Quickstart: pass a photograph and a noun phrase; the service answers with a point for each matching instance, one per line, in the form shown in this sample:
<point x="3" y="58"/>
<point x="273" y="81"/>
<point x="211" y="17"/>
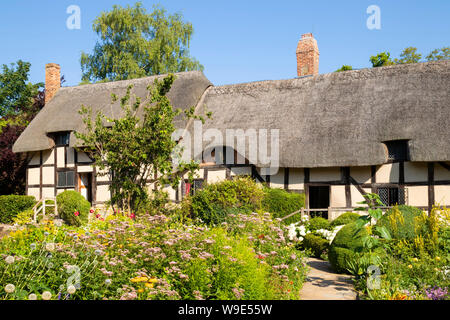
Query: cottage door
<point x="84" y="185"/>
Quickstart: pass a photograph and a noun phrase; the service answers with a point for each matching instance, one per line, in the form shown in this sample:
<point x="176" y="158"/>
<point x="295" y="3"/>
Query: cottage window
<point x="397" y="150"/>
<point x="392" y="196"/>
<point x="62" y="139"/>
<point x="191" y="188"/>
<point x="66" y="179"/>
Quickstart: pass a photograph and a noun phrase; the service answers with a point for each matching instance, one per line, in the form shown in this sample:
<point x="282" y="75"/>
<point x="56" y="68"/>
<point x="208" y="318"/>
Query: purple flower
<point x="437" y="293"/>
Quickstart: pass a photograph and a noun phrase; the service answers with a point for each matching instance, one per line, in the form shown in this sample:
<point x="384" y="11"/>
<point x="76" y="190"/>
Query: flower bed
<point x="152" y="257"/>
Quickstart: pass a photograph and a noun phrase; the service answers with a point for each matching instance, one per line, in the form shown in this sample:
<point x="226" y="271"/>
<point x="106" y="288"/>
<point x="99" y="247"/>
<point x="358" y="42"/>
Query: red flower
<point x="261" y="236"/>
<point x="76" y="214"/>
<point x="97" y="216"/>
<point x="132" y="216"/>
<point x="260" y="257"/>
<point x="91" y="211"/>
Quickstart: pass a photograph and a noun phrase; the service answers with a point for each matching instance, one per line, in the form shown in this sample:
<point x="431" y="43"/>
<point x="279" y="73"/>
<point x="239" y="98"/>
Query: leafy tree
<point x="135" y="44"/>
<point x="439" y="54"/>
<point x="409" y="55"/>
<point x="136" y="151"/>
<point x="381" y="60"/>
<point x="16" y="93"/>
<point x="344" y="68"/>
<point x="20" y="101"/>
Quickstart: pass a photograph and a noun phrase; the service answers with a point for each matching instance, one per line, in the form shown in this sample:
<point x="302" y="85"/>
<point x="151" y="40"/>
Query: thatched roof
<point x="341" y="119"/>
<point x="61" y="113"/>
<point x="336" y="119"/>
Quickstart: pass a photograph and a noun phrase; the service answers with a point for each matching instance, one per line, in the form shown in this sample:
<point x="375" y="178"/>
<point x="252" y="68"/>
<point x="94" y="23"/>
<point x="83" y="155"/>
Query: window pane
<point x="61" y="179"/>
<point x="70" y="178"/>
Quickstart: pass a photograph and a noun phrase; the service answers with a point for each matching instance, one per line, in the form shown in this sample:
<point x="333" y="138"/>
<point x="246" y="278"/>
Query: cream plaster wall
<point x="277" y="180"/>
<point x="33" y="192"/>
<point x="48" y="175"/>
<point x="337" y="198"/>
<point x="103" y="193"/>
<point x="417" y="196"/>
<point x="325" y="174"/>
<point x="296" y="179"/>
<point x="34" y="176"/>
<point x="35" y="159"/>
<point x="216" y="175"/>
<point x="48" y="157"/>
<point x="416" y="171"/>
<point x="388" y="173"/>
<point x="442" y="195"/>
<point x="361" y="174"/>
<point x="60" y="157"/>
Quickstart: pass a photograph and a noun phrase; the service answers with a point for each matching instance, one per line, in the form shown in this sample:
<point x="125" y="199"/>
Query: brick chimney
<point x="52" y="80"/>
<point x="307" y="56"/>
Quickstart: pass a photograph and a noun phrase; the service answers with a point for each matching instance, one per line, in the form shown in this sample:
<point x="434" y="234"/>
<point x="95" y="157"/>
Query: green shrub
<point x="344" y="246"/>
<point x="70" y="202"/>
<point x="344" y="219"/>
<point x="280" y="203"/>
<point x="318" y="223"/>
<point x="316" y="244"/>
<point x="12" y="205"/>
<point x="400" y="222"/>
<point x="212" y="203"/>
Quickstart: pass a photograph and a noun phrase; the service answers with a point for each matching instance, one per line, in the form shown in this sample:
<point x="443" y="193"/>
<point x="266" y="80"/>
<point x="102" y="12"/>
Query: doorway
<point x="85" y="185"/>
<point x="319" y="198"/>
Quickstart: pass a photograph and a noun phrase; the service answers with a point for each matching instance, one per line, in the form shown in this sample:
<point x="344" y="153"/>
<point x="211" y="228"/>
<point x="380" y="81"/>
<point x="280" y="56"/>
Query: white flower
<point x="32" y="297"/>
<point x="10" y="288"/>
<point x="9" y="259"/>
<point x="108" y="282"/>
<point x="50" y="246"/>
<point x="71" y="289"/>
<point x="46" y="295"/>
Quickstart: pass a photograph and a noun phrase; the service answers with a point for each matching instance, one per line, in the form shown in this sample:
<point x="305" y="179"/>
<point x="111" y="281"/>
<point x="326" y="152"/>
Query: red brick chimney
<point x="307" y="56"/>
<point x="52" y="80"/>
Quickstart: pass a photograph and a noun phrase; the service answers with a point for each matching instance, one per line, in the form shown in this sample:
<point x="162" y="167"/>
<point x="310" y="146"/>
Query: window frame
<point x="65" y="135"/>
<point x="65" y="172"/>
<point x="397" y="150"/>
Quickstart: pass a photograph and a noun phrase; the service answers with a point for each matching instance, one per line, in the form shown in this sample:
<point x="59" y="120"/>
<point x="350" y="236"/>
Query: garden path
<point x="322" y="283"/>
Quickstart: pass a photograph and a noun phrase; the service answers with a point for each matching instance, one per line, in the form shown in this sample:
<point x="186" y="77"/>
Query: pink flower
<point x="91" y="211"/>
<point x="132" y="216"/>
<point x="76" y="214"/>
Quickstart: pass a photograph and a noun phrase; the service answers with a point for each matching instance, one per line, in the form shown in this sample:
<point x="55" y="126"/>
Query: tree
<point x="439" y="54"/>
<point x="381" y="60"/>
<point x="16" y="92"/>
<point x="344" y="68"/>
<point x="135" y="151"/>
<point x="135" y="44"/>
<point x="409" y="55"/>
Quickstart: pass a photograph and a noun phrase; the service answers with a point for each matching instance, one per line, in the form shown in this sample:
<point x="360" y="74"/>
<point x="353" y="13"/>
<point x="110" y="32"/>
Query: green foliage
<point x="280" y="203"/>
<point x="12" y="205"/>
<point x="409" y="55"/>
<point x="154" y="257"/>
<point x="214" y="202"/>
<point x="24" y="217"/>
<point x="69" y="202"/>
<point x="345" y="218"/>
<point x="348" y="241"/>
<point x="316" y="244"/>
<point x="381" y="60"/>
<point x="439" y="54"/>
<point x="16" y="93"/>
<point x="344" y="68"/>
<point x="318" y="223"/>
<point x="400" y="221"/>
<point x="134" y="149"/>
<point x="135" y="44"/>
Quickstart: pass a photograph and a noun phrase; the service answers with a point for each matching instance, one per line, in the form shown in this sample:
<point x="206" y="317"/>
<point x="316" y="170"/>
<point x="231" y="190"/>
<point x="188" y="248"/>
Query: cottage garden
<point x="228" y="241"/>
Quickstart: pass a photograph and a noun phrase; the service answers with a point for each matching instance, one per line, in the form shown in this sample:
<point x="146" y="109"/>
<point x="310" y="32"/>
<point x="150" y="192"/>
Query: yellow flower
<point x="140" y="290"/>
<point x="410" y="266"/>
<point x="134" y="279"/>
<point x="438" y="259"/>
<point x="149" y="285"/>
<point x="415" y="259"/>
<point x="153" y="280"/>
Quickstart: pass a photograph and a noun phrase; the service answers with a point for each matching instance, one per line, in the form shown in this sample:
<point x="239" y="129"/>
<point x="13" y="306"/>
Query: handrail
<point x="44" y="204"/>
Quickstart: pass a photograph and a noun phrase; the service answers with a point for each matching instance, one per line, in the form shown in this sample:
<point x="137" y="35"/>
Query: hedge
<point x="316" y="244"/>
<point x="345" y="218"/>
<point x="281" y="203"/>
<point x="12" y="205"/>
<point x="71" y="202"/>
<point x="344" y="246"/>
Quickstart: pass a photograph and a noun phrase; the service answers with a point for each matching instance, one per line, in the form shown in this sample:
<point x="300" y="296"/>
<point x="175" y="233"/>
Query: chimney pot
<point x="307" y="56"/>
<point x="52" y="80"/>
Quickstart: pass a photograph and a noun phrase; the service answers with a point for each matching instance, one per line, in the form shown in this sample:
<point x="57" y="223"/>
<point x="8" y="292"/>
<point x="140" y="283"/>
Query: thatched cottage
<point x="341" y="135"/>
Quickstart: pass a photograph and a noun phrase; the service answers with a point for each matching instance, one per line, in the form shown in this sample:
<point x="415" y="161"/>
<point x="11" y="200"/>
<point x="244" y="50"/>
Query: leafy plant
<point x="344" y="219"/>
<point x="12" y="205"/>
<point x="73" y="208"/>
<point x="280" y="203"/>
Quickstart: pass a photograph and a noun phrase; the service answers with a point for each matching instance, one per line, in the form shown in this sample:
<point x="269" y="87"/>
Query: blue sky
<point x="236" y="41"/>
